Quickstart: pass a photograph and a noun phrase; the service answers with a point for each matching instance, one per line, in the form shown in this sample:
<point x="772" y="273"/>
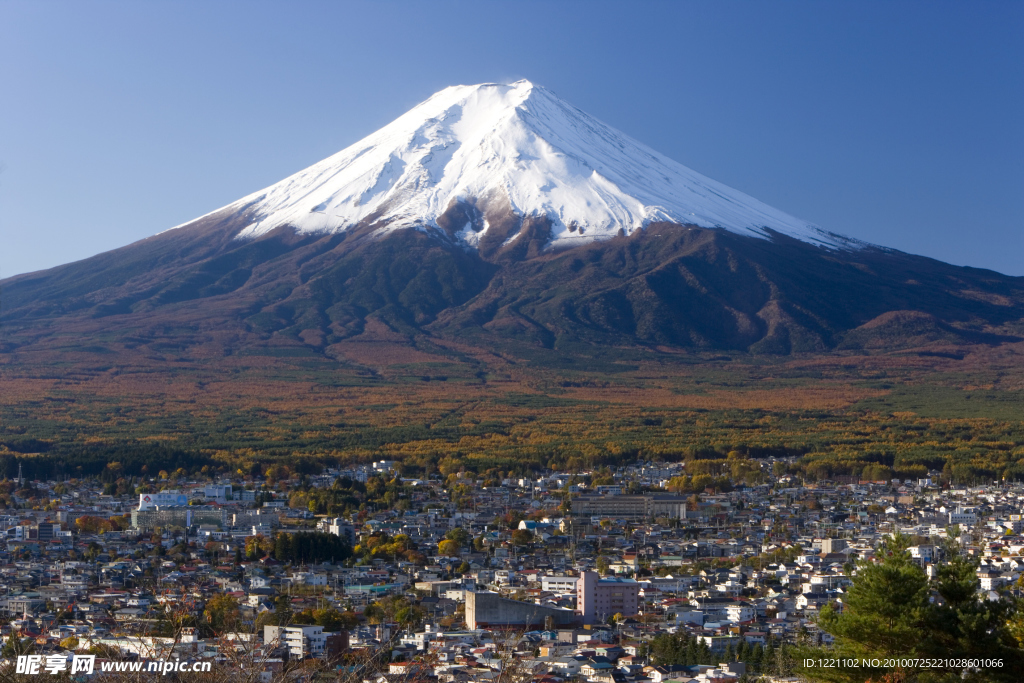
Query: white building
<point x="504" y="576"/>
<point x="564" y="666"/>
<point x="739" y="612"/>
<point x="924" y="553"/>
<point x="340" y="527"/>
<point x="301" y="641"/>
<point x="559" y="584"/>
<point x="609" y="489"/>
<point x="218" y="493"/>
<point x="963" y="517"/>
<point x="308" y="579"/>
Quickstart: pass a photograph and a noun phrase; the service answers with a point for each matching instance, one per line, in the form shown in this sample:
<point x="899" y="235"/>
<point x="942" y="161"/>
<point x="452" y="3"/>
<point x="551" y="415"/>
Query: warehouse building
<point x="490" y="610"/>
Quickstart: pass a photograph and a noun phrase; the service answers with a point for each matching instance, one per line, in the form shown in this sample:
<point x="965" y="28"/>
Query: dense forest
<point x="957" y="414"/>
<point x="816" y="445"/>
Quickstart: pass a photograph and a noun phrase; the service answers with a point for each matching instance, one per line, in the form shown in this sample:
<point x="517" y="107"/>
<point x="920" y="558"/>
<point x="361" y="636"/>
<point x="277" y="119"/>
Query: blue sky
<point x="900" y="123"/>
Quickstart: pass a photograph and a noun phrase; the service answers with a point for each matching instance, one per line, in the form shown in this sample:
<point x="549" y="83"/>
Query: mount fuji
<point x="504" y="149"/>
<point x="501" y="217"/>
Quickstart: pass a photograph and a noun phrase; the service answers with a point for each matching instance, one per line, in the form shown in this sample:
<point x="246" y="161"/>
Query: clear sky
<point x="900" y="123"/>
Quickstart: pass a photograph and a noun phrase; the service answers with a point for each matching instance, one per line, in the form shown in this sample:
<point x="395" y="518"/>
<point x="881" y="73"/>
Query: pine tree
<point x="767" y="663"/>
<point x="704" y="653"/>
<point x="885" y="608"/>
<point x="15" y="646"/>
<point x="784" y="662"/>
<point x="692" y="653"/>
<point x="282" y="610"/>
<point x="965" y="626"/>
<point x="754" y="657"/>
<point x="283" y="550"/>
<point x="887" y="614"/>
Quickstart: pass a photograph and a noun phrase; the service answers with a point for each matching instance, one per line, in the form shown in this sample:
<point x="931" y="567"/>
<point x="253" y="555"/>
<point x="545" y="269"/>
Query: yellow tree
<point x="448" y="548"/>
<point x="222" y="612"/>
<point x="258" y="545"/>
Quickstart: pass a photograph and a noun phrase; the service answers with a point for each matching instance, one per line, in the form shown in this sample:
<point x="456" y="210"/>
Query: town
<point x="610" y="576"/>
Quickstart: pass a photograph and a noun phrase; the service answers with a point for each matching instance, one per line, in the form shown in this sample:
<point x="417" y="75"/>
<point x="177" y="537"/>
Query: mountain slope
<point x="709" y="289"/>
<point x="667" y="286"/>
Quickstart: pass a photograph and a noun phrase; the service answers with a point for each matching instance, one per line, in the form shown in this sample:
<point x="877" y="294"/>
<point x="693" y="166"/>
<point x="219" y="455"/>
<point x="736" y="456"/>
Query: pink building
<point x="597" y="598"/>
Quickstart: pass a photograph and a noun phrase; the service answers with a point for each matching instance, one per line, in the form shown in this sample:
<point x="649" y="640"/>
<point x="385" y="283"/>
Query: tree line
<point x="304" y="547"/>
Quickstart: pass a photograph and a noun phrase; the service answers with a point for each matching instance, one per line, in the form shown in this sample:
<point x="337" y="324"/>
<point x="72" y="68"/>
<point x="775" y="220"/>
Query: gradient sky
<point x="899" y="123"/>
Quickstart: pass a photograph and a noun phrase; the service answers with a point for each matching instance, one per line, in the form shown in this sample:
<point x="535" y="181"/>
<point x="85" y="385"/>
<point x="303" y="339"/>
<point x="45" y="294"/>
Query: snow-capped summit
<point x="511" y="147"/>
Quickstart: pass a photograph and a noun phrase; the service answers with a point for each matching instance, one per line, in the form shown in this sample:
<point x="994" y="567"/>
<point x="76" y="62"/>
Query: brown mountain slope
<point x="666" y="287"/>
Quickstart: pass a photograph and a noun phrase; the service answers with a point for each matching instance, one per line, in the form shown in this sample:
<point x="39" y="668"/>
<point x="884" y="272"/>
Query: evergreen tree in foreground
<point x="891" y="611"/>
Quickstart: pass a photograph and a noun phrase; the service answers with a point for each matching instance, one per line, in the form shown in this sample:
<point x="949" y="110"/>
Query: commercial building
<point x="37" y="532"/>
<point x="630" y="507"/>
<point x="185" y="517"/>
<point x="148" y="501"/>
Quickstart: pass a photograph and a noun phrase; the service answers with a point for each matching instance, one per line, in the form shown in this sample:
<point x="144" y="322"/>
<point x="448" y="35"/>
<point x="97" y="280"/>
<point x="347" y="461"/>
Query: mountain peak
<point x="449" y="208"/>
<point x="501" y="150"/>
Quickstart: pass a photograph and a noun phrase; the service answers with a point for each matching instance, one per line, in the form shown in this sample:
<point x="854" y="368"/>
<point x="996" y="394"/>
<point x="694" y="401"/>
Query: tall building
<point x="599" y="598"/>
<point x="339" y="526"/>
<point x="832" y="545"/>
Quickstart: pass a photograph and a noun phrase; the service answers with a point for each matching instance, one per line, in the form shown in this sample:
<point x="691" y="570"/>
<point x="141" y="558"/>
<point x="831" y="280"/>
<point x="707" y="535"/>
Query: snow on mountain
<point x="516" y="146"/>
